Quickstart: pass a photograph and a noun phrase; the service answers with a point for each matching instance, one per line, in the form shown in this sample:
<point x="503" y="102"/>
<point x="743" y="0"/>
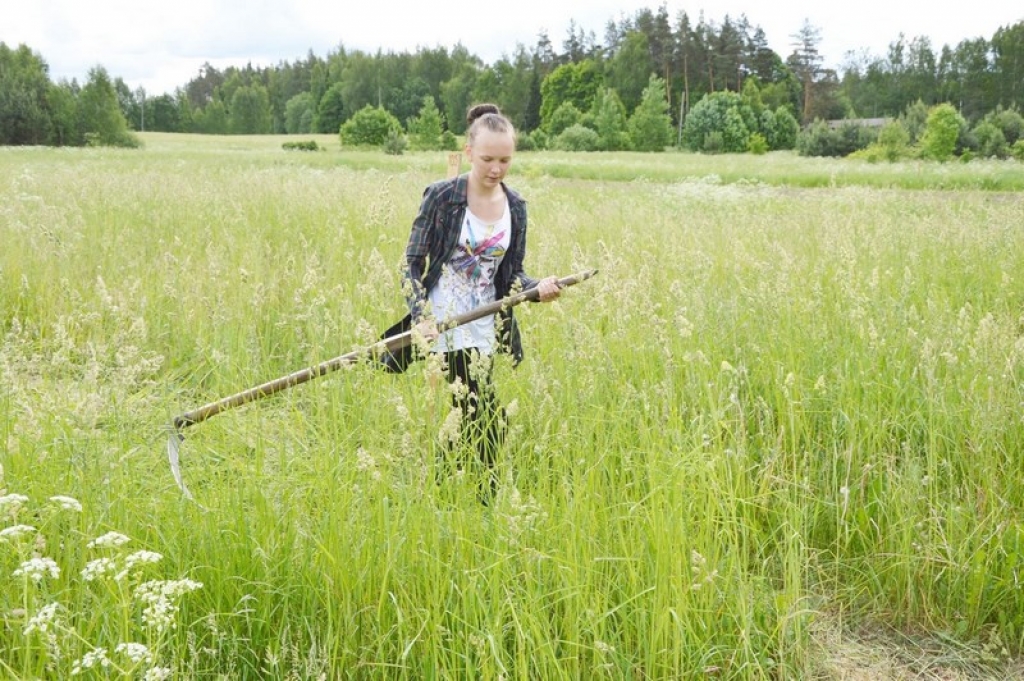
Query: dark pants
<point x="483" y="418"/>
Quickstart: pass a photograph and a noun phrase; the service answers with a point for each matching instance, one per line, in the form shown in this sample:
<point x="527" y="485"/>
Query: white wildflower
<point x="96" y="658"/>
<point x="157" y="674"/>
<point x="12" y="503"/>
<point x="37" y="568"/>
<point x="40" y="622"/>
<point x="109" y="540"/>
<point x="137" y="559"/>
<point x="15" y="532"/>
<point x="140" y="557"/>
<point x="67" y="503"/>
<point x="95" y="569"/>
<point x="136" y="652"/>
<point x="158" y="597"/>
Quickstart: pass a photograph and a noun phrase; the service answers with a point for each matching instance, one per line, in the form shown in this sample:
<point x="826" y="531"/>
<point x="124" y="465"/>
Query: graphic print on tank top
<point x="468" y="280"/>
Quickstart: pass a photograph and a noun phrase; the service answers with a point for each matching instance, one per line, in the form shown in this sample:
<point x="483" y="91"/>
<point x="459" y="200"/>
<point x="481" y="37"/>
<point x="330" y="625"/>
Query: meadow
<point x="787" y="413"/>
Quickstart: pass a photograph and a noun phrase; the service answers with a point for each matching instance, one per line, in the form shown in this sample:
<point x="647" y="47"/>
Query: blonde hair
<point x="487" y="117"/>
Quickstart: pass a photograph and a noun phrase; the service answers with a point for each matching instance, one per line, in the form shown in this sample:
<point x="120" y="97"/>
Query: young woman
<point x="466" y="248"/>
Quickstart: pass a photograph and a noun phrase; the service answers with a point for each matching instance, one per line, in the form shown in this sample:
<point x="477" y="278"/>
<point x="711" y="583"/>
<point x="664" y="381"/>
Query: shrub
<point x="1017" y="150"/>
<point x="563" y="118"/>
<point x="426" y="129"/>
<point x="820" y="139"/>
<point x="714" y="143"/>
<point x="395" y="144"/>
<point x="370" y="126"/>
<point x="449" y="141"/>
<point x="650" y="126"/>
<point x="1009" y="121"/>
<point x="722" y="112"/>
<point x="757" y="144"/>
<point x="308" y="145"/>
<point x="577" y="138"/>
<point x="990" y="140"/>
<point x="532" y="141"/>
<point x="941" y="132"/>
<point x="892" y="145"/>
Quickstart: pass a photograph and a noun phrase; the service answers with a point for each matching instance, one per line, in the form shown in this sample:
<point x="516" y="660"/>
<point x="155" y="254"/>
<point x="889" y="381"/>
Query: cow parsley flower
<point x="95" y="569"/>
<point x="40" y="622"/>
<point x="67" y="503"/>
<point x="37" y="568"/>
<point x="95" y="658"/>
<point x="15" y="532"/>
<point x="136" y="652"/>
<point x="110" y="540"/>
<point x="12" y="503"/>
<point x="159" y="599"/>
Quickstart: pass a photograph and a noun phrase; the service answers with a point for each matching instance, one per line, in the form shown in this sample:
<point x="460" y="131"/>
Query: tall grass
<point x="774" y="403"/>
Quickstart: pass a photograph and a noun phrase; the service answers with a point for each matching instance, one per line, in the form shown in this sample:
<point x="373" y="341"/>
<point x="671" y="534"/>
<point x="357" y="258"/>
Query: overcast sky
<point x="160" y="46"/>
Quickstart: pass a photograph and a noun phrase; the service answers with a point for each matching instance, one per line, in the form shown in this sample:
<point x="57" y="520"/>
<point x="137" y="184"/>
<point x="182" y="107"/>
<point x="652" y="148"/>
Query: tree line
<point x="699" y="69"/>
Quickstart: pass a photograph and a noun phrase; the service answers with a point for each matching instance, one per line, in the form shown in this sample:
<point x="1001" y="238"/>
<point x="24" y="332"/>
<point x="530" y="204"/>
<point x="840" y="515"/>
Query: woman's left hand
<point x="548" y="289"/>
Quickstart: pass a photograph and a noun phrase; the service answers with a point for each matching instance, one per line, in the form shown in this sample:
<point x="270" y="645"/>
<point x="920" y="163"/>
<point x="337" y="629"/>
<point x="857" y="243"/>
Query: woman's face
<point x="490" y="155"/>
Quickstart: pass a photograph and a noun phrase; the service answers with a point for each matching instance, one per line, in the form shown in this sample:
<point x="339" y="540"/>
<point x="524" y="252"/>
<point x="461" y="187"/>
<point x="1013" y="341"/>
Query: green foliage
<point x="534" y="140"/>
<point x="893" y="141"/>
<point x="941" y="132"/>
<point x="1009" y="121"/>
<point x="757" y="144"/>
<point x="212" y="120"/>
<point x="725" y="113"/>
<point x="576" y="83"/>
<point x="714" y="143"/>
<point x="630" y="68"/>
<point x="99" y="115"/>
<point x="564" y="117"/>
<point x="331" y="112"/>
<point x="308" y="145"/>
<point x="751" y="96"/>
<point x="249" y="113"/>
<point x="426" y="130"/>
<point x="821" y="139"/>
<point x="650" y="126"/>
<point x="370" y="126"/>
<point x="990" y="141"/>
<point x="449" y="141"/>
<point x="395" y="143"/>
<point x="63" y="115"/>
<point x="24" y="115"/>
<point x="1017" y="150"/>
<point x="892" y="144"/>
<point x="735" y="133"/>
<point x="577" y="138"/>
<point x="609" y="118"/>
<point x="299" y="114"/>
<point x="914" y="119"/>
<point x="784" y="129"/>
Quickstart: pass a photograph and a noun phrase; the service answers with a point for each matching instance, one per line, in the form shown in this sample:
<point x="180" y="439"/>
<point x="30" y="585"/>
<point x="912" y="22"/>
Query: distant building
<point x="864" y="122"/>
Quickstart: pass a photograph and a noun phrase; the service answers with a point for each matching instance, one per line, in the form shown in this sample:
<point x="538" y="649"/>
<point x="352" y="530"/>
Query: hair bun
<point x="479" y="110"/>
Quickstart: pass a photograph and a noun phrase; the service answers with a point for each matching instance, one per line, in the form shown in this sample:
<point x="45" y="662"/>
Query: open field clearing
<point x="779" y="435"/>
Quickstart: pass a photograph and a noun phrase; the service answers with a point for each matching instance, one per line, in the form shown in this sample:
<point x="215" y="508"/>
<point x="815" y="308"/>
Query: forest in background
<point x="689" y="60"/>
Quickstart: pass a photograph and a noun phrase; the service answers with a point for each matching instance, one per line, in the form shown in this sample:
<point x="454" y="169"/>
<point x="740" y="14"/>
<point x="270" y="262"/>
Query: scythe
<point x="391" y="344"/>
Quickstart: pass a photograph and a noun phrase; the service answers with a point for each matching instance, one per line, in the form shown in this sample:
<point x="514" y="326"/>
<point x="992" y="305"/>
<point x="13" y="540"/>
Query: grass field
<point x="786" y="415"/>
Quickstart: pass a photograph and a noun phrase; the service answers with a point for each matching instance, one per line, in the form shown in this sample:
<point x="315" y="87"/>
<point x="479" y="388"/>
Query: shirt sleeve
<point x="421" y="239"/>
